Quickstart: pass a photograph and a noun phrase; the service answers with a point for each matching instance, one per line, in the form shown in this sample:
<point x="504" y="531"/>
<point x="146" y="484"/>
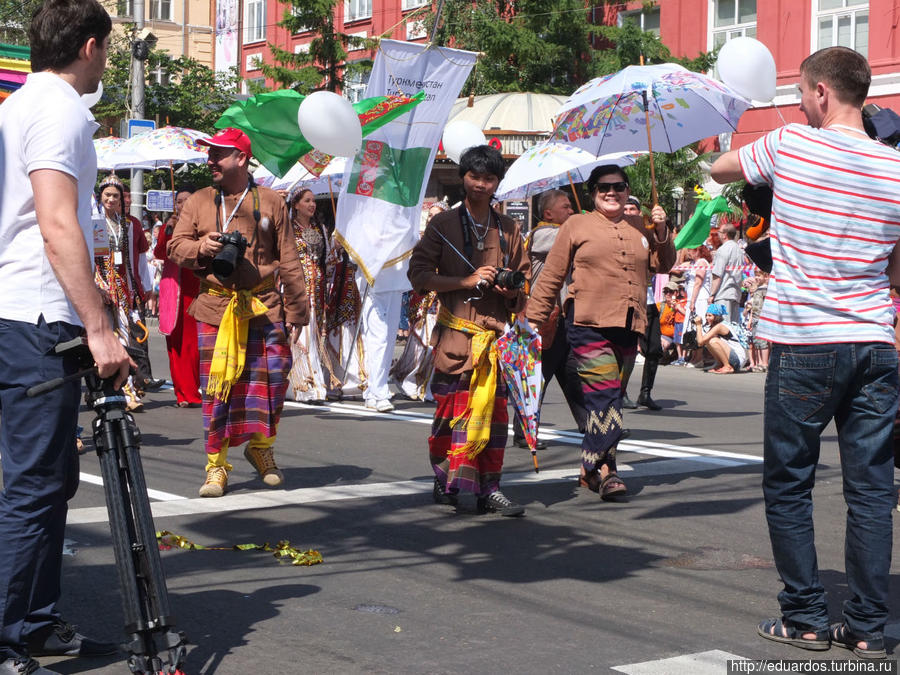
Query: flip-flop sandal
<point x="842" y="637"/>
<point x="612" y="487"/>
<point x="778" y="630"/>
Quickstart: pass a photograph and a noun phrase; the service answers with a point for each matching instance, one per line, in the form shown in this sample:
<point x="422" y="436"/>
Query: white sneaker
<point x="371" y="404"/>
<point x="384" y="405"/>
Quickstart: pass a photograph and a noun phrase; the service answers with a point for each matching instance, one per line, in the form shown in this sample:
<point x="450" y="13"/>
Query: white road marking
<point x="666" y="459"/>
<point x="153" y="494"/>
<point x="713" y="662"/>
<point x="566" y="437"/>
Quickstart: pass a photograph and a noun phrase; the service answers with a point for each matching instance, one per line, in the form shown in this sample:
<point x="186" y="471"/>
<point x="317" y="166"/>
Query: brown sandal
<point x="611" y="487"/>
<point x="590" y="480"/>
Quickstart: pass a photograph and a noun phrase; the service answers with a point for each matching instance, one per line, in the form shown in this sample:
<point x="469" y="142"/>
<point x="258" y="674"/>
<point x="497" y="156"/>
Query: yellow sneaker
<point x="263" y="460"/>
<point x="216" y="482"/>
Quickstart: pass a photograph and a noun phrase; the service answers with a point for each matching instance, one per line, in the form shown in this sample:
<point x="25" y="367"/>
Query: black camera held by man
<point x="511" y="279"/>
<point x="234" y="244"/>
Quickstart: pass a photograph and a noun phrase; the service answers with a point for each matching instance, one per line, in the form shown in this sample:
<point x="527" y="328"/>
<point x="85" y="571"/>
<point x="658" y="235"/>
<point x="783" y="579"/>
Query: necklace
<point x="848" y="128"/>
<point x="477" y="230"/>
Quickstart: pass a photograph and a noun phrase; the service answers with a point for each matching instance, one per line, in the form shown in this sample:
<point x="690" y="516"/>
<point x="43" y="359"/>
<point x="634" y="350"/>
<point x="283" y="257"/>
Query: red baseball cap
<point x="229" y="138"/>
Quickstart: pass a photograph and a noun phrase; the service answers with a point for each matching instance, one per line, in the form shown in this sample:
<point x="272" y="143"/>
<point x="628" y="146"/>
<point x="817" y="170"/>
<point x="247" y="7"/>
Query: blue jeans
<point x="856" y="384"/>
<point x="40" y="475"/>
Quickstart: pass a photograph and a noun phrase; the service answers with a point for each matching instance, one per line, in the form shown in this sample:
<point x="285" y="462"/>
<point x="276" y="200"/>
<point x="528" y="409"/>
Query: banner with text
<point x="378" y="213"/>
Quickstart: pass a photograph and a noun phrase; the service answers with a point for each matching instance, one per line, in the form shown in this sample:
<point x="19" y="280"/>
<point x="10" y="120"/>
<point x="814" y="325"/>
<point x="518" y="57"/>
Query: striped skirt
<point x="454" y="470"/>
<point x="257" y="398"/>
<point x="600" y="354"/>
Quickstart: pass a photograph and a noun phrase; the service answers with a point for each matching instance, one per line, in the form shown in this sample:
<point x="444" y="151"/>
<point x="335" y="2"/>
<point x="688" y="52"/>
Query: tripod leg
<point x="158" y="616"/>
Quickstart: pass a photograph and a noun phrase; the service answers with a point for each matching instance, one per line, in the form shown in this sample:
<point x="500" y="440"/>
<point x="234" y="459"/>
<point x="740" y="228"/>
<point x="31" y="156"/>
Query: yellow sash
<point x="476" y="419"/>
<point x="230" y="351"/>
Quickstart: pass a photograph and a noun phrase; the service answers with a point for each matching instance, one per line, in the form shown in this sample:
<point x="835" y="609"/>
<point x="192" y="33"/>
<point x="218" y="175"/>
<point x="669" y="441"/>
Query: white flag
<point x="381" y="197"/>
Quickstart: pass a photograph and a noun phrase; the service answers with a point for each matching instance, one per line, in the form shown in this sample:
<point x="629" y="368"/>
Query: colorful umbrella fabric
<point x="607" y="114"/>
<point x="546" y="166"/>
<point x="519" y="349"/>
<point x="270" y="120"/>
<point x="14" y="68"/>
<point x="329" y="180"/>
<point x="160" y="148"/>
<point x="106" y="149"/>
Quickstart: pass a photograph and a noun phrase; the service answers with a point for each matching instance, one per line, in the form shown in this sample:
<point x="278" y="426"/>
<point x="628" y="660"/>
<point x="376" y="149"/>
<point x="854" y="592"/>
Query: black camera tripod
<point x="154" y="645"/>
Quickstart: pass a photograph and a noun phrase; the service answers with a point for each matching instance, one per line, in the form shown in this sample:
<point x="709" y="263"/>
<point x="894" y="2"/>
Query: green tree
<point x="15" y="15"/>
<point x="325" y="65"/>
<point x="682" y="168"/>
<point x="189" y="94"/>
<point x="542" y="46"/>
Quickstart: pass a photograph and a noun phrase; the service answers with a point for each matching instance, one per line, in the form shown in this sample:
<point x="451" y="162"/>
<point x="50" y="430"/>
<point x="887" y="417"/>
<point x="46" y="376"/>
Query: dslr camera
<point x="234" y="244"/>
<point x="507" y="278"/>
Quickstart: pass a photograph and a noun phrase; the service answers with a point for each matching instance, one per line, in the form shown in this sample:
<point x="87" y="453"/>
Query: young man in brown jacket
<point x="459" y="256"/>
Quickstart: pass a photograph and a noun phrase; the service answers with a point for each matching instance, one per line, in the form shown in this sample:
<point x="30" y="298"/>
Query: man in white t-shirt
<point x="834" y="226"/>
<point x="47" y="296"/>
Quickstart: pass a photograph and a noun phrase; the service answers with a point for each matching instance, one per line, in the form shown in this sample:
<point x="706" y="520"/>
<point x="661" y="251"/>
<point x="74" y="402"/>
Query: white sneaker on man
<point x="381" y="404"/>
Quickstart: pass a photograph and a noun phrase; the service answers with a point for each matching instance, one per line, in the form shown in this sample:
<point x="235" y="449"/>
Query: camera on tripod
<point x="511" y="279"/>
<point x="234" y="244"/>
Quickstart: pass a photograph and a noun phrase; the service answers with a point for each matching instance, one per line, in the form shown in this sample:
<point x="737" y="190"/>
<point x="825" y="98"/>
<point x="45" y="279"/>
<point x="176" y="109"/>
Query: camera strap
<point x="221" y="203"/>
<point x="467" y="226"/>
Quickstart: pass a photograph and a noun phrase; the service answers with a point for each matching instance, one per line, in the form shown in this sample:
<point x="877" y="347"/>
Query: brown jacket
<point x="611" y="265"/>
<point x="452" y="349"/>
<point x="273" y="250"/>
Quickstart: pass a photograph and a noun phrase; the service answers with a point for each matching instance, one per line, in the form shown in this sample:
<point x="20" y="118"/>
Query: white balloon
<point x="91" y="99"/>
<point x="459" y="136"/>
<point x="746" y="65"/>
<point x="329" y="122"/>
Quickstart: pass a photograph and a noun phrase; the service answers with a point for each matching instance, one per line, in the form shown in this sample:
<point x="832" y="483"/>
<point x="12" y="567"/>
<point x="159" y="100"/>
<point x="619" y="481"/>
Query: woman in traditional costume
<point x="178" y="286"/>
<point x="311" y="373"/>
<point x="117" y="273"/>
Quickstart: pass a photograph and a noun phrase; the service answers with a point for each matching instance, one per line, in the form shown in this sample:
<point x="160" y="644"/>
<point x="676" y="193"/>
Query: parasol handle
<point x="172" y="178"/>
<point x="653" y="194"/>
<point x="534" y="460"/>
<point x="574" y="193"/>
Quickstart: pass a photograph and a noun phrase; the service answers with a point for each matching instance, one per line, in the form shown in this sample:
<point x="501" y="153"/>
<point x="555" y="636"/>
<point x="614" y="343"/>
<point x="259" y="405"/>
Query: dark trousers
<point x="40" y="474"/>
<point x="557" y="361"/>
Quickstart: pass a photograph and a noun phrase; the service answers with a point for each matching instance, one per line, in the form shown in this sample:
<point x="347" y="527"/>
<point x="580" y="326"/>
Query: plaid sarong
<point x="257" y="398"/>
<point x="481" y="474"/>
<point x="599" y="354"/>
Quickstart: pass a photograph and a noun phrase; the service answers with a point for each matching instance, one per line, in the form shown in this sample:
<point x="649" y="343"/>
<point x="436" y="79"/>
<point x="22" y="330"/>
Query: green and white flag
<point x="379" y="209"/>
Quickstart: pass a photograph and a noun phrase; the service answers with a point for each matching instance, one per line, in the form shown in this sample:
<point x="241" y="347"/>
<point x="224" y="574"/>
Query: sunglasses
<point x="619" y="186"/>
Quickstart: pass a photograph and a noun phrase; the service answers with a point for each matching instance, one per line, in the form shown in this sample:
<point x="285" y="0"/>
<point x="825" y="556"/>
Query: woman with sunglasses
<point x="609" y="257"/>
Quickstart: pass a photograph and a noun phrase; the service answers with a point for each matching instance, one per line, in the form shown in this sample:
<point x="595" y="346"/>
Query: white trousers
<point x="380" y="317"/>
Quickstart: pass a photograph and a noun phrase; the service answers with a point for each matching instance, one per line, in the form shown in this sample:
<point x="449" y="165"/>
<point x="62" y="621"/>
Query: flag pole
<point x="653" y="194"/>
<point x="574" y="192"/>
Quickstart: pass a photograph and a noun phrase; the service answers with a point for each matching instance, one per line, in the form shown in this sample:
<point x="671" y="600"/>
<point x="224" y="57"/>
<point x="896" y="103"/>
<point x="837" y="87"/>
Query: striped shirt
<point x="835" y="220"/>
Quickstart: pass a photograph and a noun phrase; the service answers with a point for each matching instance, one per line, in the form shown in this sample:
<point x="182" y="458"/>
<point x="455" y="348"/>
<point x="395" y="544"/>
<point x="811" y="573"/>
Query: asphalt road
<point x="671" y="580"/>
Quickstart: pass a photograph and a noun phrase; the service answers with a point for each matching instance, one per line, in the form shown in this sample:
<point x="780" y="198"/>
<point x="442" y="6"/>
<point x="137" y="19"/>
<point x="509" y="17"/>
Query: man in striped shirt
<point x="835" y="223"/>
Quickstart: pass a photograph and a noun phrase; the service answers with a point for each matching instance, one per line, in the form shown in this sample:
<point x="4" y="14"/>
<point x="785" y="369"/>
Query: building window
<point x="254" y="20"/>
<point x="161" y="10"/>
<point x="355" y="86"/>
<point x="646" y="19"/>
<point x="357" y="9"/>
<point x="731" y="19"/>
<point x="415" y="30"/>
<point x="412" y="4"/>
<point x="253" y="85"/>
<point x="160" y="75"/>
<point x="124" y="8"/>
<point x="842" y="23"/>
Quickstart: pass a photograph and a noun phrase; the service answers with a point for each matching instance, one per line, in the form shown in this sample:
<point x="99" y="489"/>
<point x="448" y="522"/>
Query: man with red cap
<point x="237" y="238"/>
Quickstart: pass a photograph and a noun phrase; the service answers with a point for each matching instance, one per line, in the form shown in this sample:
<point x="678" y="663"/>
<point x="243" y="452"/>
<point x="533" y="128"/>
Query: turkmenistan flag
<point x="394" y="175"/>
<point x="270" y="121"/>
<point x="696" y="230"/>
<point x="380" y="205"/>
